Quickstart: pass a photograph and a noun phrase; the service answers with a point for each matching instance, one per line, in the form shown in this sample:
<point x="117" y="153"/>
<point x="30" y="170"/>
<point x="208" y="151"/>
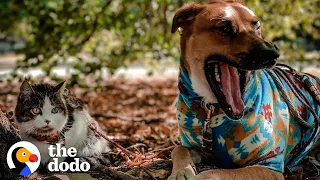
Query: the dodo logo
<point x="23" y="158"/>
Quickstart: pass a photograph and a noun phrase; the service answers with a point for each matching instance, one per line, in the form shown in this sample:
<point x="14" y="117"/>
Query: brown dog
<point x="225" y="31"/>
<point x="226" y="34"/>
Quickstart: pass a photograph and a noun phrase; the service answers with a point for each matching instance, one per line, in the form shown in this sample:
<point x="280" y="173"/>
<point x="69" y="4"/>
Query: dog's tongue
<point x="230" y="83"/>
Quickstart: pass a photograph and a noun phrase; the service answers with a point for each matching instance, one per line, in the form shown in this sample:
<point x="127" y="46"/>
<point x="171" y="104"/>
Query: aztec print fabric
<point x="267" y="135"/>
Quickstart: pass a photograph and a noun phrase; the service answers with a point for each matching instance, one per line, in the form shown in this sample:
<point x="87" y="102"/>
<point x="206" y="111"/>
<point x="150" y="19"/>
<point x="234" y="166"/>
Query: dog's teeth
<point x="217" y="77"/>
<point x="216" y="73"/>
<point x="216" y="70"/>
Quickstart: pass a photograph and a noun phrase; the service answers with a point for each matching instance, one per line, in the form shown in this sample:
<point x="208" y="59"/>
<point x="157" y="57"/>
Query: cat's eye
<point x="55" y="110"/>
<point x="35" y="111"/>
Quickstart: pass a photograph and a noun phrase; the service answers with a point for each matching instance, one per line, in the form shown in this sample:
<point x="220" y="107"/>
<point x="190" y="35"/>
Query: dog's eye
<point x="256" y="25"/>
<point x="227" y="30"/>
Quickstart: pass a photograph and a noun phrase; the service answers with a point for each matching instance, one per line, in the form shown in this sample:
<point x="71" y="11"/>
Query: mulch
<point x="138" y="115"/>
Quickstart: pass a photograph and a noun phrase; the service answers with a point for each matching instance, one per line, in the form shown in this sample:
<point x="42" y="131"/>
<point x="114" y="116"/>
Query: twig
<point x="93" y="127"/>
<point x="137" y="145"/>
<point x="149" y="157"/>
<point x="124" y="150"/>
<point x="162" y="149"/>
<point x="149" y="173"/>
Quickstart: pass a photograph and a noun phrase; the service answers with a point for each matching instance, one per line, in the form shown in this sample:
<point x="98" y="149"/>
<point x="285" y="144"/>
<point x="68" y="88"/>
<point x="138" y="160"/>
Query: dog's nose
<point x="261" y="56"/>
<point x="266" y="52"/>
<point x="269" y="55"/>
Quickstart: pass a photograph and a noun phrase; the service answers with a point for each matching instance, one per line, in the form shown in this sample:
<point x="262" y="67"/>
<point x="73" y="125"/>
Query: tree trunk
<point x="8" y="136"/>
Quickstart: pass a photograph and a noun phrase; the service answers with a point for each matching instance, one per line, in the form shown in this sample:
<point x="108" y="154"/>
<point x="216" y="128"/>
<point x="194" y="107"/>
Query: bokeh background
<point x="93" y="38"/>
<point x="120" y="58"/>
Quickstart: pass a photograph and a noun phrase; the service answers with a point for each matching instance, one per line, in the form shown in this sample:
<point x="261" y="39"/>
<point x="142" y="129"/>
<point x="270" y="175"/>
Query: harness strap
<point x="207" y="133"/>
<point x="304" y="78"/>
<point x="294" y="87"/>
<point x="291" y="107"/>
<point x="314" y="93"/>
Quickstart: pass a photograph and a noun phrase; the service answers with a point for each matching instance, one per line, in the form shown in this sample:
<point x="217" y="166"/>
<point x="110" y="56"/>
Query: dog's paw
<point x="183" y="174"/>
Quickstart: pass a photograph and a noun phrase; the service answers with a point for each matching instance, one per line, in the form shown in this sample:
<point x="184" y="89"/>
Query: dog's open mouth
<point x="228" y="84"/>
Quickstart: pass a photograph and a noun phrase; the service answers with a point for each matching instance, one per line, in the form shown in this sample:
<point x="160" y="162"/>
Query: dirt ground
<point x="137" y="114"/>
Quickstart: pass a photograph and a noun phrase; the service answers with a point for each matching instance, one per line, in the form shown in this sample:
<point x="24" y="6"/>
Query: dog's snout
<point x="265" y="52"/>
<point x="260" y="56"/>
<point x="269" y="55"/>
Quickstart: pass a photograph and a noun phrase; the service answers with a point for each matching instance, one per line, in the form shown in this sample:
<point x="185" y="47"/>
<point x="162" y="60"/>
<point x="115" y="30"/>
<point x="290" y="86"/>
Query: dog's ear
<point x="185" y="15"/>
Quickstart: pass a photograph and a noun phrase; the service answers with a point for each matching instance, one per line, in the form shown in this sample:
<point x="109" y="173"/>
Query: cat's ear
<point x="25" y="88"/>
<point x="60" y="87"/>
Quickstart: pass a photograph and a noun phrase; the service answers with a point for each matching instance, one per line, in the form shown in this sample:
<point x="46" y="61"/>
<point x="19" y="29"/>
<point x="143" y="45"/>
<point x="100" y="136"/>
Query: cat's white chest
<point x="79" y="131"/>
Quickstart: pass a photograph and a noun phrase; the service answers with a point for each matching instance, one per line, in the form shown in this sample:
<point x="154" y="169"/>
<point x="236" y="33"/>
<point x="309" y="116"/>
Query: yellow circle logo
<point x="23" y="158"/>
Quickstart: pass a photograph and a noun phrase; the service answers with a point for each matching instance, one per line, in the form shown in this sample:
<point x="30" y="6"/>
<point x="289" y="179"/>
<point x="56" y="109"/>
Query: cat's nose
<point x="47" y="121"/>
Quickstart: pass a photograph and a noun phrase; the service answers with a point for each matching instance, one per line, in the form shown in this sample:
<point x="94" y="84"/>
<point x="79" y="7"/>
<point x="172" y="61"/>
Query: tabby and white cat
<point x="48" y="114"/>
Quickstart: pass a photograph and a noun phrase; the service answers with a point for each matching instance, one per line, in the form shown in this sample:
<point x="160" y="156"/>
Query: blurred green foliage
<point x="112" y="33"/>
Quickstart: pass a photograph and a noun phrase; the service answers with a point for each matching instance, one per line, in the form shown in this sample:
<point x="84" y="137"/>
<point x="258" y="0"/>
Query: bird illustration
<point x="20" y="156"/>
